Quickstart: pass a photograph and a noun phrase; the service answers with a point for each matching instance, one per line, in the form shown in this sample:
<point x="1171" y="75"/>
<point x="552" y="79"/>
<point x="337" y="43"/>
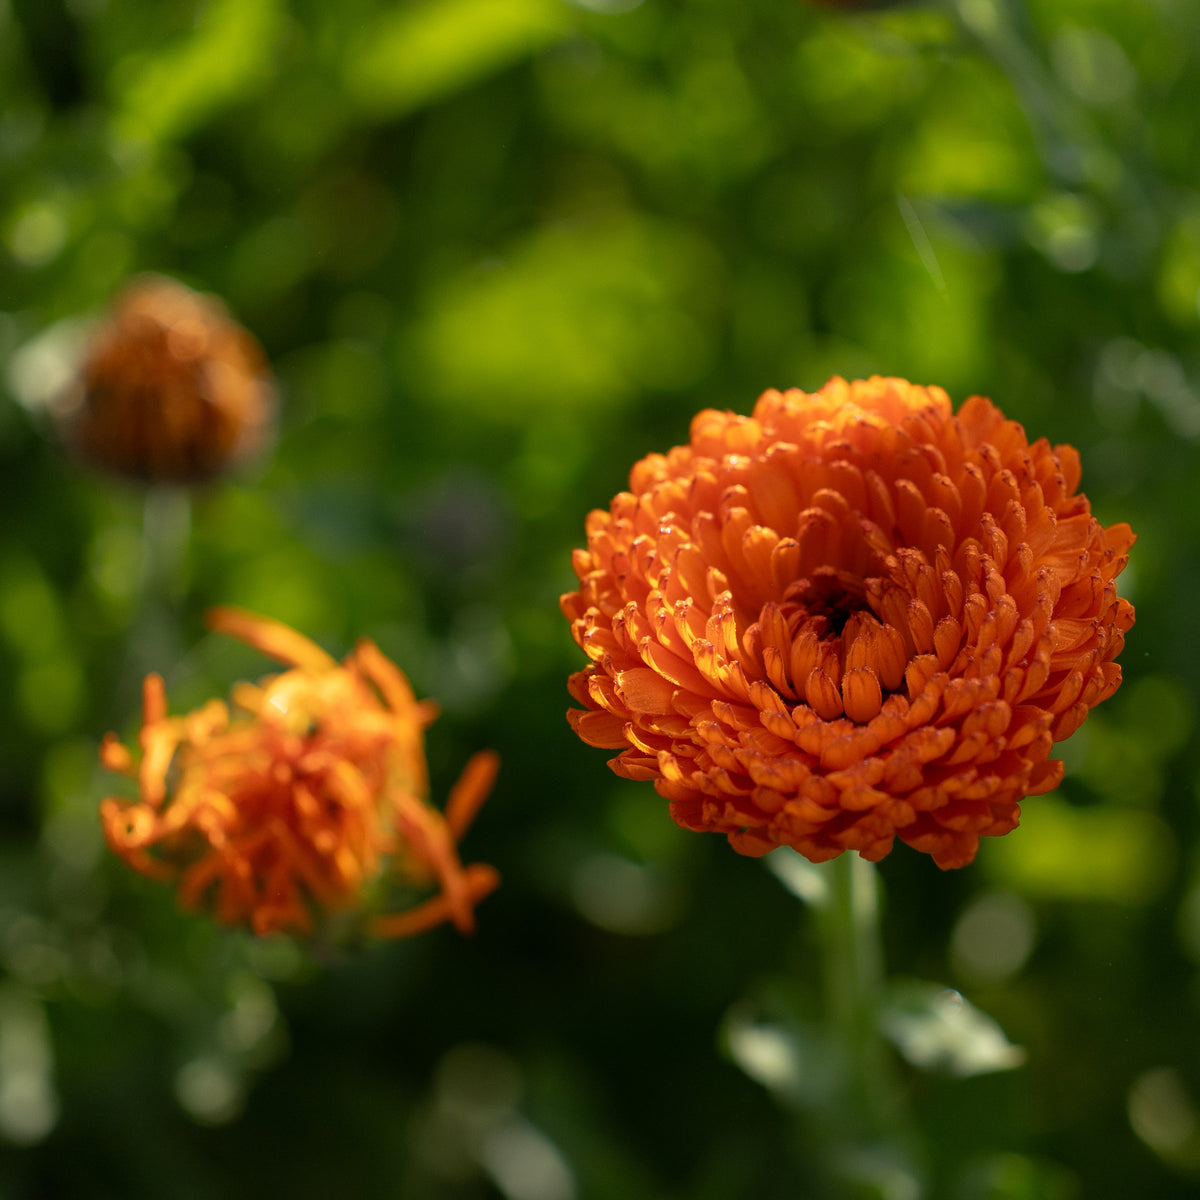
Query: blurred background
<point x="497" y="250"/>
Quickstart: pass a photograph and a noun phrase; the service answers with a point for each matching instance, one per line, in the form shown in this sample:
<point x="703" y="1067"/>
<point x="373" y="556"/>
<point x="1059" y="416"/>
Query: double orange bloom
<point x="311" y="792"/>
<point x="851" y="616"/>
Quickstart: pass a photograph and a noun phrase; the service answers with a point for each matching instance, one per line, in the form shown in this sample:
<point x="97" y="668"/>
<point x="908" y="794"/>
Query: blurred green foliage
<point x="497" y="250"/>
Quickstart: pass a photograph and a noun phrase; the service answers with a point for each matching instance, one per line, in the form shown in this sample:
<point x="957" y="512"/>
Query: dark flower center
<point x="830" y="594"/>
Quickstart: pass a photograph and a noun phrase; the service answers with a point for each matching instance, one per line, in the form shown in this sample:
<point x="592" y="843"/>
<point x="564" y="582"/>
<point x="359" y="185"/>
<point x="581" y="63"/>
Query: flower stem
<point x="166" y="529"/>
<point x="872" y="1112"/>
<point x="154" y="635"/>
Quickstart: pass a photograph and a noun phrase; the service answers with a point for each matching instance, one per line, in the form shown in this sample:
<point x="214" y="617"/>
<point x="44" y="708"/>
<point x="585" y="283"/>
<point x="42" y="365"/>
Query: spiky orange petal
<point x="296" y="802"/>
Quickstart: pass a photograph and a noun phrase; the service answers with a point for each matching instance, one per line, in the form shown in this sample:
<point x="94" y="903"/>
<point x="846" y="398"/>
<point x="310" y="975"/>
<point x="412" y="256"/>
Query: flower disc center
<point x="830" y="594"/>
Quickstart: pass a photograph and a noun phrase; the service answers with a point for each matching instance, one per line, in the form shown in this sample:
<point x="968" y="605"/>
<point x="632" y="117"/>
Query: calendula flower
<point x="311" y="790"/>
<point x="170" y="388"/>
<point x="851" y="616"/>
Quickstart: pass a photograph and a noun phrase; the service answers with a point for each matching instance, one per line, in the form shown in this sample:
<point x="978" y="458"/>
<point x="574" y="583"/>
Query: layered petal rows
<point x="851" y="616"/>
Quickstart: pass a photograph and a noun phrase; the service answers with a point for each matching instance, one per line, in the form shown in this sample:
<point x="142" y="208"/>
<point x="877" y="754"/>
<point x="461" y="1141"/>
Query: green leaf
<point x="419" y="53"/>
<point x="804" y="879"/>
<point x="784" y="1058"/>
<point x="1101" y="852"/>
<point x="571" y="318"/>
<point x="937" y="1030"/>
<point x="229" y="55"/>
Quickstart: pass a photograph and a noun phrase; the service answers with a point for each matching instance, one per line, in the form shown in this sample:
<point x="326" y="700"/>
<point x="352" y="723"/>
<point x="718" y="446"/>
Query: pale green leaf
<point x="418" y="53"/>
<point x="937" y="1030"/>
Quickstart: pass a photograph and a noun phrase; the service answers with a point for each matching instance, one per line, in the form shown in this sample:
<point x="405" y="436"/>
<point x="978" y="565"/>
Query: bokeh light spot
<point x="993" y="938"/>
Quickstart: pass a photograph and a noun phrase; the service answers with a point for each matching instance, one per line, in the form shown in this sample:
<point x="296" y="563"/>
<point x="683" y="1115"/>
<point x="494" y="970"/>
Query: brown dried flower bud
<point x="170" y="389"/>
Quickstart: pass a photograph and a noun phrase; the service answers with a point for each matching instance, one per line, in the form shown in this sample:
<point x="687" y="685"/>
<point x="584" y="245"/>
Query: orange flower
<point x="171" y="389"/>
<point x="302" y="798"/>
<point x="849" y="617"/>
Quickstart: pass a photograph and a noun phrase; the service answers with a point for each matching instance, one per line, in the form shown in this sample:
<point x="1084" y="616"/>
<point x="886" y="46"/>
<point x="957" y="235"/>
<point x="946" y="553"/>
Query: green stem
<point x="166" y="530"/>
<point x="154" y="637"/>
<point x="872" y="1109"/>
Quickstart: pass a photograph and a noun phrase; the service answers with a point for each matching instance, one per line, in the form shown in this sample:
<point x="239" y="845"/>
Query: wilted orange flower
<point x="171" y="389"/>
<point x="849" y="617"/>
<point x="313" y="790"/>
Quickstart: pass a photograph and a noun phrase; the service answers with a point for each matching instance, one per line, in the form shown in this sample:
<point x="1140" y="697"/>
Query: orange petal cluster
<point x="313" y="790"/>
<point x="849" y="617"/>
<point x="171" y="388"/>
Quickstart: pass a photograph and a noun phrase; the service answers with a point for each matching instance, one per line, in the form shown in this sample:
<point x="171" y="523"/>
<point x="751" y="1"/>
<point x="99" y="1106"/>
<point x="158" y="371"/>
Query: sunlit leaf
<point x="937" y="1030"/>
<point x="175" y="89"/>
<point x="781" y="1057"/>
<point x="568" y="319"/>
<point x="1102" y="852"/>
<point x="805" y="880"/>
<point x="414" y="53"/>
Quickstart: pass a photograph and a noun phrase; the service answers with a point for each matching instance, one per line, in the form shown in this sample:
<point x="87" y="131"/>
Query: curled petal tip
<point x="473" y="787"/>
<point x="273" y="638"/>
<point x="479" y="881"/>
